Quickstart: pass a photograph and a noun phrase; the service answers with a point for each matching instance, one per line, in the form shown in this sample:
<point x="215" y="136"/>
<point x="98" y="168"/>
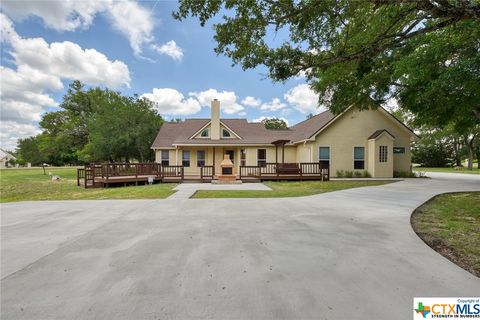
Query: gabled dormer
<point x="215" y="129"/>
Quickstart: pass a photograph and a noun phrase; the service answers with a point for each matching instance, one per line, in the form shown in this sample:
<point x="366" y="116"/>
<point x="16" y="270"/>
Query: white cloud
<point x="65" y="60"/>
<point x="11" y="131"/>
<point x="228" y="100"/>
<point x="40" y="69"/>
<point x="20" y="112"/>
<point x="59" y="15"/>
<point x="251" y="102"/>
<point x="303" y="99"/>
<point x="391" y="104"/>
<point x="171" y="102"/>
<point x="132" y="20"/>
<point x="303" y="74"/>
<point x="260" y="119"/>
<point x="22" y="94"/>
<point x="273" y="105"/>
<point x="170" y="49"/>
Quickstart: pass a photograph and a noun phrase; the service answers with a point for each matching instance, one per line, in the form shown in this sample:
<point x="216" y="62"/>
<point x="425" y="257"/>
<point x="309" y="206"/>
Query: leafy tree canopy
<point x="423" y="52"/>
<point x="94" y="125"/>
<point x="275" y="123"/>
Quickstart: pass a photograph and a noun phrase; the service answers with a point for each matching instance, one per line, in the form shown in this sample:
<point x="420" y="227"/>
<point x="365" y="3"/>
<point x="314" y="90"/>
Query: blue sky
<point x="132" y="47"/>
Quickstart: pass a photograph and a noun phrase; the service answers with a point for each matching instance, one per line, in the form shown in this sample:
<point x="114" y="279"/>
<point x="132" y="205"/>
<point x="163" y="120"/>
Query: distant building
<point x="5" y="157"/>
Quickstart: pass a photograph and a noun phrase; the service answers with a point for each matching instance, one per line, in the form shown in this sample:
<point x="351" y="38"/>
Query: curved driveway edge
<point x="349" y="254"/>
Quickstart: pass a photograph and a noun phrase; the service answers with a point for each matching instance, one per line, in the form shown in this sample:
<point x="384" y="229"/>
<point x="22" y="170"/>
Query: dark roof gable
<point x="377" y="133"/>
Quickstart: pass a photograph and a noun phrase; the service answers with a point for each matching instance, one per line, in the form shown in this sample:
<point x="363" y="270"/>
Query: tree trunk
<point x="469" y="145"/>
<point x="477" y="112"/>
<point x="456" y="149"/>
<point x="478" y="157"/>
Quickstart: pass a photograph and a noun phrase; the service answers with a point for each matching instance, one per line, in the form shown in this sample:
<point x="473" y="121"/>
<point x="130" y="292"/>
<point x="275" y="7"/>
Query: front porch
<point x="123" y="174"/>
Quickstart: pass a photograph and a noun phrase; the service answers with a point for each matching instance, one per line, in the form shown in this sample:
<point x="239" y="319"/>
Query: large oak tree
<point x="425" y="53"/>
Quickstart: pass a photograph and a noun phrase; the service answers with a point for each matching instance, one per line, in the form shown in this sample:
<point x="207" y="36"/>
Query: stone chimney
<point x="215" y="125"/>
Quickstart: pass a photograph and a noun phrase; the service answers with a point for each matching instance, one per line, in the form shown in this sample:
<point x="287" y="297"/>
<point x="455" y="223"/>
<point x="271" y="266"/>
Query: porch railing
<point x="112" y="171"/>
<point x="303" y="169"/>
<point x="172" y="172"/>
<point x="207" y="173"/>
<point x="80" y="175"/>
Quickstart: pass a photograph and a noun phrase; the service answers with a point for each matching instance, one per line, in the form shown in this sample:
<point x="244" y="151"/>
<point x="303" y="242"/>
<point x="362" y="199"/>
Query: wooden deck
<point x="125" y="174"/>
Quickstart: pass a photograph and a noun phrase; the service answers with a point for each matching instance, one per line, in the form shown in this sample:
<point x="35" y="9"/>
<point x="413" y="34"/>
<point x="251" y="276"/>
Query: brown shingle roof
<point x="306" y="129"/>
<point x="378" y="133"/>
<point x="172" y="133"/>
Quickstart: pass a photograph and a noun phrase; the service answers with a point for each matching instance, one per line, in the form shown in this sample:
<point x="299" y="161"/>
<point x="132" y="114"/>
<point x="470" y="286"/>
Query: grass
<point x="450" y="224"/>
<point x="288" y="189"/>
<point x="31" y="184"/>
<point x="451" y="170"/>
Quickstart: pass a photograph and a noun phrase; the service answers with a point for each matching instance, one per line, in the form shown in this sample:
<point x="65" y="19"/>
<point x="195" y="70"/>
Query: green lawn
<point x="450" y="224"/>
<point x="288" y="189"/>
<point x="31" y="184"/>
<point x="451" y="170"/>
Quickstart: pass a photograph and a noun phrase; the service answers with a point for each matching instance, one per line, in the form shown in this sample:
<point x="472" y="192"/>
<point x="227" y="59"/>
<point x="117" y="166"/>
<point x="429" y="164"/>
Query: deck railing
<point x="112" y="171"/>
<point x="172" y="172"/>
<point x="109" y="173"/>
<point x="80" y="175"/>
<point x="207" y="173"/>
<point x="303" y="169"/>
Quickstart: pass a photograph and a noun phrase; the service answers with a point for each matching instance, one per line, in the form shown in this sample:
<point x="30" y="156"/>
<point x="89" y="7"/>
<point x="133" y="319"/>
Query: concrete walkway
<point x="186" y="190"/>
<point x="342" y="255"/>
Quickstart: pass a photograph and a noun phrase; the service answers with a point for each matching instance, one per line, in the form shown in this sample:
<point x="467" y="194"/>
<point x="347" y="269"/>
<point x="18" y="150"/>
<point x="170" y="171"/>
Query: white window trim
<point x="353" y="156"/>
<point x="161" y="156"/>
<point x="329" y="153"/>
<point x="380" y="154"/>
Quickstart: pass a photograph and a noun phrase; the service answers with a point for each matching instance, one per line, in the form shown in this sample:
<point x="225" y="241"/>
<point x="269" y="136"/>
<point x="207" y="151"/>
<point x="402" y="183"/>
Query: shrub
<point x="366" y="174"/>
<point x="348" y="174"/>
<point x="357" y="174"/>
<point x="340" y="174"/>
<point x="404" y="174"/>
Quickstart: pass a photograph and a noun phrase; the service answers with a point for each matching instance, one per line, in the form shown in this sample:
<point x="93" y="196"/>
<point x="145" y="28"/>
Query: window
<point x="165" y="158"/>
<point x="324" y="157"/>
<point x="200" y="158"/>
<point x="358" y="158"/>
<point x="261" y="157"/>
<point x="243" y="157"/>
<point x="398" y="150"/>
<point x="383" y="154"/>
<point x="225" y="133"/>
<point x="204" y="133"/>
<point x="186" y="158"/>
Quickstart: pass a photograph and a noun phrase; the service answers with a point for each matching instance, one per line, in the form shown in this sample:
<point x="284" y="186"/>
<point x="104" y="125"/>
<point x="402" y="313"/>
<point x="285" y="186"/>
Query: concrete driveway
<point x="342" y="255"/>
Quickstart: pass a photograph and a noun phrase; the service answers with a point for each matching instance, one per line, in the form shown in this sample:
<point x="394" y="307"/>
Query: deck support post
<point x="213" y="163"/>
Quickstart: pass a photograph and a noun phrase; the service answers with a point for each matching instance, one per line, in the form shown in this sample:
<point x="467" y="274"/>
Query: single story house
<point x="369" y="140"/>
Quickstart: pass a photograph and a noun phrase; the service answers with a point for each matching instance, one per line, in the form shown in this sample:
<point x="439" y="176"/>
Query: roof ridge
<point x="312" y="117"/>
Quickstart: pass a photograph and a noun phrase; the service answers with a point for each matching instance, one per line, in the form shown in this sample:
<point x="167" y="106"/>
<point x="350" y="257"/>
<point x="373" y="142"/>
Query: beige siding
<point x="381" y="169"/>
<point x="304" y="152"/>
<point x="171" y="156"/>
<point x="353" y="129"/>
